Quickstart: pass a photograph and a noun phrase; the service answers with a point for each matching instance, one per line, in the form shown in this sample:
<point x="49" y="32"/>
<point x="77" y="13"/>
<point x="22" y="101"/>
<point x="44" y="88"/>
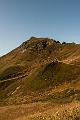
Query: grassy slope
<point x="35" y="57"/>
<point x="41" y="111"/>
<point x="46" y="78"/>
<point x="50" y="90"/>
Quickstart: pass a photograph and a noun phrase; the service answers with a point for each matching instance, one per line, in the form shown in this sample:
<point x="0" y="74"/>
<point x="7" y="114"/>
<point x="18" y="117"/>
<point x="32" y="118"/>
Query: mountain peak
<point x="39" y="42"/>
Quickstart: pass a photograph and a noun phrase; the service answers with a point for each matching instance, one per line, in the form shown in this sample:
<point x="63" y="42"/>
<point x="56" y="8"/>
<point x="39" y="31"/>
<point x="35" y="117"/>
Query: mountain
<point x="39" y="64"/>
<point x="40" y="70"/>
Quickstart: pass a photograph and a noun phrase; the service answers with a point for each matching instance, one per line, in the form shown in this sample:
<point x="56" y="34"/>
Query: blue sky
<point x="21" y="19"/>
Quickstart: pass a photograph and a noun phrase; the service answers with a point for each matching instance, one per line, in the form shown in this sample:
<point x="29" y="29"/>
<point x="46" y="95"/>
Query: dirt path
<point x="14" y="78"/>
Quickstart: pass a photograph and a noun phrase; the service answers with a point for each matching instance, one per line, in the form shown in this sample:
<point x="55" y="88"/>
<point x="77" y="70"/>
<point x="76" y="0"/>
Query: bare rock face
<point x="38" y="42"/>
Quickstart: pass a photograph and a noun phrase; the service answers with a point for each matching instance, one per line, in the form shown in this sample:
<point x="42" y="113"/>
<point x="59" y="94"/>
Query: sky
<point x="21" y="19"/>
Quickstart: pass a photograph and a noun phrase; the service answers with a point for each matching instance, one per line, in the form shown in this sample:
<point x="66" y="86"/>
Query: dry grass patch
<point x="41" y="111"/>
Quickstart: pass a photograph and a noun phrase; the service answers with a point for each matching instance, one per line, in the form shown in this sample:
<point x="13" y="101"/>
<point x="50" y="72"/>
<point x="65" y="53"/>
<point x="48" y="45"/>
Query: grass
<point x="53" y="74"/>
<point x="11" y="71"/>
<point x="43" y="74"/>
<point x="48" y="76"/>
<point x="41" y="111"/>
<point x="50" y="91"/>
